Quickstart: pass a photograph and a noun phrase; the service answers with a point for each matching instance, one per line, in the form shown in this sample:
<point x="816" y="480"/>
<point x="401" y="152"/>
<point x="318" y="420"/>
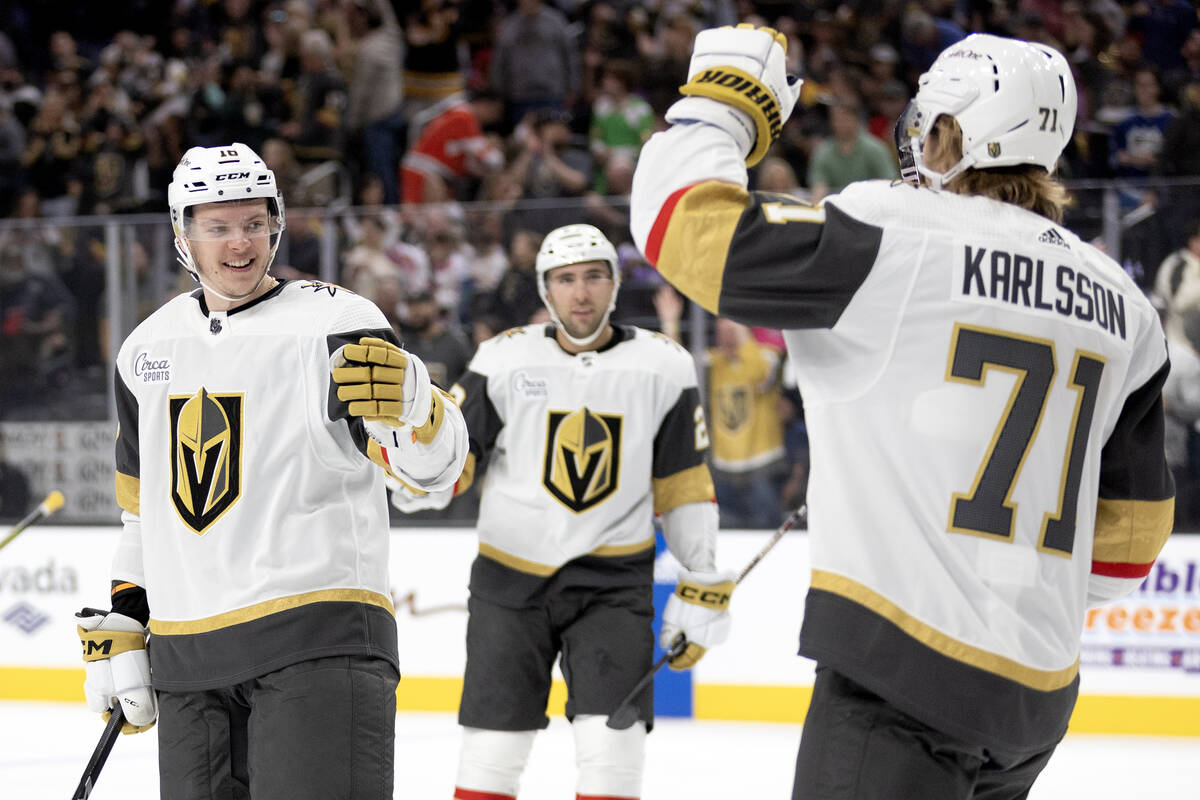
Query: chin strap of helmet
<point x="587" y="340"/>
<point x="938" y="180"/>
<point x="580" y="342"/>
<point x="189" y="264"/>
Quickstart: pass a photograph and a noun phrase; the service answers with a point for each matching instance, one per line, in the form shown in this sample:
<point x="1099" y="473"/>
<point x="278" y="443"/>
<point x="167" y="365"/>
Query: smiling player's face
<point x="231" y="246"/>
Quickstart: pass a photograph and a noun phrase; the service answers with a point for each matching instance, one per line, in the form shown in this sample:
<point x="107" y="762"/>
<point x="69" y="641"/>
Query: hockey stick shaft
<point x="52" y="503"/>
<point x="793" y="519"/>
<point x="626" y="713"/>
<point x="103" y="747"/>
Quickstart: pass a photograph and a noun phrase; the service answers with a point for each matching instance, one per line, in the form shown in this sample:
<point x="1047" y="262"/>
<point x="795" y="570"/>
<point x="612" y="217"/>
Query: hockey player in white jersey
<point x="983" y="396"/>
<point x="586" y="430"/>
<point x="259" y="420"/>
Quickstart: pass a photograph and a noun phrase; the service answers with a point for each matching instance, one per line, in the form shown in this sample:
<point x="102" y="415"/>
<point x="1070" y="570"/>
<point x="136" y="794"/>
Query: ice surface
<point x="44" y="746"/>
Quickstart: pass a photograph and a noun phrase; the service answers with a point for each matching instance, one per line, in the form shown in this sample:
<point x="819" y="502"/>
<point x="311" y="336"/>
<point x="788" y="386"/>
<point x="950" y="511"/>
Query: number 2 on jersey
<point x="987" y="509"/>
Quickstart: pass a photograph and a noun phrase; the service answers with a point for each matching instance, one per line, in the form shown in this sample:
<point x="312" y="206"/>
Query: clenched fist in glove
<point x="737" y="81"/>
<point x="383" y="384"/>
<point x="699" y="609"/>
<point x="117" y="668"/>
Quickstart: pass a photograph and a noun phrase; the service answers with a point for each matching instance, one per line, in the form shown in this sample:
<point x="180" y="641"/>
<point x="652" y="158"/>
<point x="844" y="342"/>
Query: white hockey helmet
<point x="577" y="244"/>
<point x="217" y="175"/>
<point x="1015" y="102"/>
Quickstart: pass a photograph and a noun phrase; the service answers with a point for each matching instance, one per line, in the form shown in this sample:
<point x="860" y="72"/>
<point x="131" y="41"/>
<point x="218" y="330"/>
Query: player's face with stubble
<point x="580" y="294"/>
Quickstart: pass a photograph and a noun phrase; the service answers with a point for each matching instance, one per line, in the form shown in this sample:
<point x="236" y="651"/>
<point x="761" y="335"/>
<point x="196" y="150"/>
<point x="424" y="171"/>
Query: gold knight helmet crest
<point x="206" y="455"/>
<point x="583" y="457"/>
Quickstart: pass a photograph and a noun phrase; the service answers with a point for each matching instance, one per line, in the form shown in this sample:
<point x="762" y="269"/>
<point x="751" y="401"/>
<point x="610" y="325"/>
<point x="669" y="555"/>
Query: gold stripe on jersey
<point x="129" y="491"/>
<point x="1041" y="680"/>
<point x="692" y="485"/>
<point x="546" y="570"/>
<point x="516" y="562"/>
<point x="432" y="85"/>
<point x="701" y="226"/>
<point x="1132" y="531"/>
<point x="268" y="607"/>
<point x="609" y="550"/>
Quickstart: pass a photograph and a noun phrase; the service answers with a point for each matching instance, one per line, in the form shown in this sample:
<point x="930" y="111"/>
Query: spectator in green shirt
<point x="621" y="120"/>
<point x="849" y="154"/>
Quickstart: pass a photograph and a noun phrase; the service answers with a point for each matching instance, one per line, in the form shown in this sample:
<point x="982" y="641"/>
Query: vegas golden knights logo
<point x="733" y="407"/>
<point x="583" y="457"/>
<point x="206" y="456"/>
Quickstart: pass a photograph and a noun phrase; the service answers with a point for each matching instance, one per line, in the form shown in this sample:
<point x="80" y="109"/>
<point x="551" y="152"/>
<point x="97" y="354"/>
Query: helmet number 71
<point x="1049" y="119"/>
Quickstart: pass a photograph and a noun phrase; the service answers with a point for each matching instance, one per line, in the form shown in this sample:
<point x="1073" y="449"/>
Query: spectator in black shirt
<point x="425" y="334"/>
<point x="515" y="297"/>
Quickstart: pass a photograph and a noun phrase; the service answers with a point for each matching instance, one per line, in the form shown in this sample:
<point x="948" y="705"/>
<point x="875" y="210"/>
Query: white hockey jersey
<point x="580" y="452"/>
<point x="983" y="398"/>
<point x="255" y="520"/>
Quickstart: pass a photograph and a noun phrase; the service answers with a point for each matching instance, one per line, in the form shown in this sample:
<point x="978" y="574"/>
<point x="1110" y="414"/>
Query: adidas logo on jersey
<point x="1052" y="236"/>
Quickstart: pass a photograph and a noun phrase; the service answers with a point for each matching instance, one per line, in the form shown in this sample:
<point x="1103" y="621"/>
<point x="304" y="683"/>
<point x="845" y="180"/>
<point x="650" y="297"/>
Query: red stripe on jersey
<point x="1118" y="569"/>
<point x="471" y="794"/>
<point x="659" y="229"/>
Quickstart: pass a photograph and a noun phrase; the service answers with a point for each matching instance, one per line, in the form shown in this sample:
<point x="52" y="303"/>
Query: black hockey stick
<point x="100" y="754"/>
<point x="627" y="713"/>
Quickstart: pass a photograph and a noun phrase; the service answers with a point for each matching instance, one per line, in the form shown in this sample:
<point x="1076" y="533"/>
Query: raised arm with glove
<point x="737" y="81"/>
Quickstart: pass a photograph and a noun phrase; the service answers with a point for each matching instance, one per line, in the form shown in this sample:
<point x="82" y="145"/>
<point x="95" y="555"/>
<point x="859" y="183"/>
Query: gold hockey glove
<point x="699" y="609"/>
<point x="384" y="384"/>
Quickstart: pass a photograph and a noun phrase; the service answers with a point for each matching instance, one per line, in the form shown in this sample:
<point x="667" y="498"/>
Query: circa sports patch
<point x="149" y="368"/>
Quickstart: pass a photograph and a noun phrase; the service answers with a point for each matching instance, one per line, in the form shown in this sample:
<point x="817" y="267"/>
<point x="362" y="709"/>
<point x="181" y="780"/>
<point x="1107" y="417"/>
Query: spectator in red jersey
<point x="451" y="148"/>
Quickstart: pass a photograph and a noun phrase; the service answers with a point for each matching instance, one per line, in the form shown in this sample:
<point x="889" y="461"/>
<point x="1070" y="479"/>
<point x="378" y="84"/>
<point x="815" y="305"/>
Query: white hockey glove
<point x="117" y="668"/>
<point x="738" y="81"/>
<point x="699" y="609"/>
<point x="383" y="384"/>
<point x="408" y="499"/>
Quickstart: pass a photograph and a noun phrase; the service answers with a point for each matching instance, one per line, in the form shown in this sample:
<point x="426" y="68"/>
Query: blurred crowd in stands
<point x="450" y="135"/>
